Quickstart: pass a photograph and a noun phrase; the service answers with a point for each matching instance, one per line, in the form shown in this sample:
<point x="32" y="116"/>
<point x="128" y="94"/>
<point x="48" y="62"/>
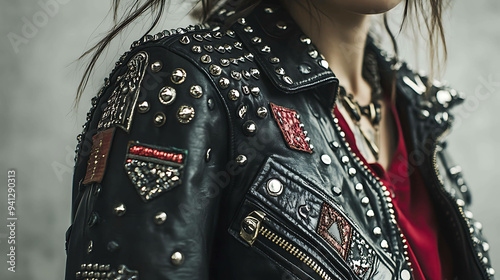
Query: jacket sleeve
<point x="145" y="200"/>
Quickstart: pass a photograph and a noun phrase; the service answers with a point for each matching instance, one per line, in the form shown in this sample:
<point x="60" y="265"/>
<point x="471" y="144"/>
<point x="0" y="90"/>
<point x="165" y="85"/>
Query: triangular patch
<point x="335" y="229"/>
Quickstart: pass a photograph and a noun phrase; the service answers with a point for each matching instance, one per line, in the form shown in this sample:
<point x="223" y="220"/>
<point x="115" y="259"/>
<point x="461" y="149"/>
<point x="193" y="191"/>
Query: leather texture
<point x="198" y="159"/>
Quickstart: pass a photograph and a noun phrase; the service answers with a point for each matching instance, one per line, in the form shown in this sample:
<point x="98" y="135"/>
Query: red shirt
<point x="427" y="252"/>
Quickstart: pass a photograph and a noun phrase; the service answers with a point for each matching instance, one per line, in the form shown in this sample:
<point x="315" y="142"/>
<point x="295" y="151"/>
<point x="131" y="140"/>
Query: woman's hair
<point x="427" y="11"/>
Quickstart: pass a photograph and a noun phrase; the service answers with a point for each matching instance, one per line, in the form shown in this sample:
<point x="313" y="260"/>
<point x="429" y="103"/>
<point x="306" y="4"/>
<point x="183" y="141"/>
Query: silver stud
<point x="335" y="145"/>
<point x="255" y="73"/>
<point x="345" y="159"/>
<point x="262" y="112"/>
<point x="255" y="91"/>
<point x="236" y="75"/>
<point x="215" y="70"/>
<point x="238" y="45"/>
<point x="249" y="56"/>
<point x="468" y="214"/>
<point x="207" y="36"/>
<point x="224" y="62"/>
<point x="268" y="10"/>
<point x="143" y="107"/>
<point x="256" y="40"/>
<point x="245" y="89"/>
<point x="313" y="53"/>
<point x="274" y="60"/>
<point x="280" y="71"/>
<point x="304" y="69"/>
<point x="486" y="246"/>
<point x="230" y="33"/>
<point x="196" y="91"/>
<point x="287" y="80"/>
<point x="384" y="244"/>
<point x="245" y="74"/>
<point x="242" y="21"/>
<point x="178" y="76"/>
<point x="89" y="266"/>
<point x="265" y="49"/>
<point x="224" y="82"/>
<point x="156" y="66"/>
<point x="405" y="275"/>
<point x="241" y="159"/>
<point x="185" y="40"/>
<point x="234" y="94"/>
<point x="159" y="119"/>
<point x="210" y="104"/>
<point x="478" y="225"/>
<point x="377" y="231"/>
<point x="323" y="63"/>
<point x="198" y="37"/>
<point x="370" y="213"/>
<point x="443" y="97"/>
<point x="160" y="218"/>
<point x="274" y="187"/>
<point x="119" y="209"/>
<point x="352" y="171"/>
<point x="304" y="39"/>
<point x="242" y="111"/>
<point x="208" y="48"/>
<point x="424" y="114"/>
<point x="177" y="258"/>
<point x="90" y="247"/>
<point x="206" y="59"/>
<point x="217" y="35"/>
<point x="365" y="200"/>
<point x="326" y="159"/>
<point x="336" y="190"/>
<point x="281" y="25"/>
<point x="220" y="49"/>
<point x="185" y="114"/>
<point x="167" y="95"/>
<point x="248" y="29"/>
<point x="196" y="49"/>
<point x="460" y="202"/>
<point x="249" y="128"/>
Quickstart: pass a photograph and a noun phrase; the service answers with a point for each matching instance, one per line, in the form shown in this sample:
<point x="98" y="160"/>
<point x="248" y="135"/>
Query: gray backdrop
<point x="38" y="125"/>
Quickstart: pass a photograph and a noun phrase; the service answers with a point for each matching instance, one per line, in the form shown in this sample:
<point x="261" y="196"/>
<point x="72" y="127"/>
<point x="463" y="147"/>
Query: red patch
<point x="96" y="166"/>
<point x="291" y="127"/>
<point x="335" y="229"/>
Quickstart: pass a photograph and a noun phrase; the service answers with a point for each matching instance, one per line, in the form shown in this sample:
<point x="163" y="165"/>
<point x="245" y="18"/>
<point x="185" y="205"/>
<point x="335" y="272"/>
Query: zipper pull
<point x="250" y="226"/>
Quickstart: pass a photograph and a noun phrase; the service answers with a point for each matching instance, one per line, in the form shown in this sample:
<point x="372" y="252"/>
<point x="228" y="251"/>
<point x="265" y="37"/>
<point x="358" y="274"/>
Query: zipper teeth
<point x="460" y="209"/>
<point x="296" y="252"/>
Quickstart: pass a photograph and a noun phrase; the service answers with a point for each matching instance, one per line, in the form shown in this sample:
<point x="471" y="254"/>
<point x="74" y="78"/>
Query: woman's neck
<point x="340" y="36"/>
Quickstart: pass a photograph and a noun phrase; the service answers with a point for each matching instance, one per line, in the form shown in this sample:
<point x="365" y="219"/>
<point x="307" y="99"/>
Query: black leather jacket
<point x="211" y="153"/>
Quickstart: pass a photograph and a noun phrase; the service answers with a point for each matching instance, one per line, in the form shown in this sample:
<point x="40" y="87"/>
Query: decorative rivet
<point x="160" y="218"/>
<point x="224" y="62"/>
<point x="268" y="10"/>
<point x="280" y="71"/>
<point x="352" y="171"/>
<point x="345" y="159"/>
<point x="143" y="107"/>
<point x="242" y="111"/>
<point x="443" y="97"/>
<point x="234" y="94"/>
<point x="196" y="91"/>
<point x="215" y="70"/>
<point x="377" y="231"/>
<point x="460" y="202"/>
<point x="365" y="200"/>
<point x="119" y="209"/>
<point x="274" y="187"/>
<point x="241" y="159"/>
<point x="185" y="40"/>
<point x="304" y="69"/>
<point x="491" y="271"/>
<point x="335" y="145"/>
<point x="287" y="80"/>
<point x="249" y="128"/>
<point x="313" y="53"/>
<point x="245" y="89"/>
<point x="249" y="56"/>
<point x="359" y="187"/>
<point x="156" y="66"/>
<point x="206" y="59"/>
<point x="217" y="35"/>
<point x="326" y="159"/>
<point x="208" y="154"/>
<point x="248" y="29"/>
<point x="238" y="45"/>
<point x="242" y="21"/>
<point x="196" y="49"/>
<point x="468" y="214"/>
<point x="78" y="275"/>
<point x="207" y="36"/>
<point x="178" y="76"/>
<point x="281" y="25"/>
<point x="384" y="244"/>
<point x="185" y="114"/>
<point x="265" y="49"/>
<point x="167" y="95"/>
<point x="274" y="60"/>
<point x="210" y="104"/>
<point x="89" y="266"/>
<point x="198" y="37"/>
<point x="90" y="247"/>
<point x="486" y="246"/>
<point x="424" y="114"/>
<point x="256" y="40"/>
<point x="262" y="112"/>
<point x="113" y="246"/>
<point x="224" y="82"/>
<point x="370" y="213"/>
<point x="177" y="258"/>
<point x="304" y="39"/>
<point x="220" y="49"/>
<point x="255" y="91"/>
<point x="236" y="75"/>
<point x="255" y="73"/>
<point x="159" y="119"/>
<point x="405" y="275"/>
<point x="336" y="190"/>
<point x="304" y="211"/>
<point x="208" y="48"/>
<point x="230" y="33"/>
<point x="323" y="63"/>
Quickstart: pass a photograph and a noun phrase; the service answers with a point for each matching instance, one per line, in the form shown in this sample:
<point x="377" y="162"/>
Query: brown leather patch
<point x="96" y="166"/>
<point x="335" y="229"/>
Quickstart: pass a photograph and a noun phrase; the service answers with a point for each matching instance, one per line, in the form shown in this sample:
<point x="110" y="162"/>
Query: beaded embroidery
<point x="291" y="127"/>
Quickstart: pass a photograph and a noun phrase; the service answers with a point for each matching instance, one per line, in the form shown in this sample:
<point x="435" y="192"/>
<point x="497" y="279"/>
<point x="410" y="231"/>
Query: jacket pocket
<point x="301" y="228"/>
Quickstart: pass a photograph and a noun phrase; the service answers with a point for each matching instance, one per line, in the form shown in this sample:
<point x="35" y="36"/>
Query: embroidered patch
<point x="96" y="166"/>
<point x="335" y="229"/>
<point x="122" y="102"/>
<point x="338" y="232"/>
<point x="291" y="128"/>
<point x="154" y="170"/>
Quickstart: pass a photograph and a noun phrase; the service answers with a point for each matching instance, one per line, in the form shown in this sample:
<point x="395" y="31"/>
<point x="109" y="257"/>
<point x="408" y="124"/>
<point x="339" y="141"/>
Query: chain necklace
<point x="373" y="111"/>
